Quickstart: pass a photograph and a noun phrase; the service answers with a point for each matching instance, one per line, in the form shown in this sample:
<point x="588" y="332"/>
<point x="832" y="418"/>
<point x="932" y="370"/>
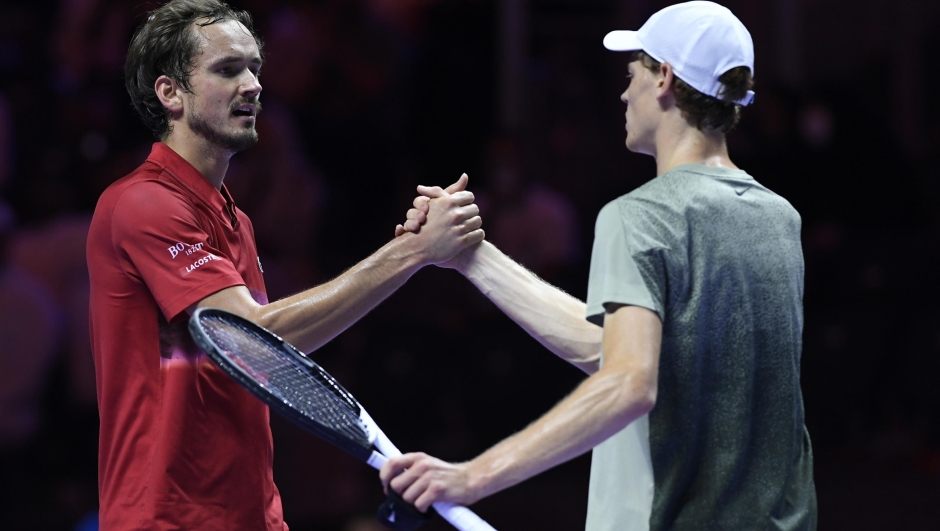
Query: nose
<point x="623" y="97"/>
<point x="251" y="86"/>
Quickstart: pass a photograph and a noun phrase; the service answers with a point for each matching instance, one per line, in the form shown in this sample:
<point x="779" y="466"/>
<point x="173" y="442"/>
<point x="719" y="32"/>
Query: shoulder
<point x="776" y="205"/>
<point x="663" y="193"/>
<point x="145" y="195"/>
<point x="615" y="214"/>
<point x="141" y="202"/>
<point x="782" y="203"/>
<point x="610" y="212"/>
<point x="657" y="202"/>
<point x="147" y="172"/>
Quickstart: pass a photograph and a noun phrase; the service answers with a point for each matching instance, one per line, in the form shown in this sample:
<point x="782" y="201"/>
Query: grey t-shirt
<point x="718" y="257"/>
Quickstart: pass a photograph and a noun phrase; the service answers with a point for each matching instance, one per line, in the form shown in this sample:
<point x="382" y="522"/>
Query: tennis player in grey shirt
<point x="694" y="317"/>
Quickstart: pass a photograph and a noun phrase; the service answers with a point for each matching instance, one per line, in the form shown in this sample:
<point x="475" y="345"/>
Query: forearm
<point x="551" y="316"/>
<point x="621" y="391"/>
<point x="601" y="406"/>
<point x="310" y="319"/>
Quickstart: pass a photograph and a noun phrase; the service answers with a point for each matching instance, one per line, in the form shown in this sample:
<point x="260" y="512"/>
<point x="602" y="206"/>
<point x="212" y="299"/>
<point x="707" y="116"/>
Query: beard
<point x="231" y="141"/>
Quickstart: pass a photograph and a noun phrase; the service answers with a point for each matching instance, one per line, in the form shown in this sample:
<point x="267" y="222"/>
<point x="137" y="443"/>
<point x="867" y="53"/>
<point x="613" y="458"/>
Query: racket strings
<point x="314" y="394"/>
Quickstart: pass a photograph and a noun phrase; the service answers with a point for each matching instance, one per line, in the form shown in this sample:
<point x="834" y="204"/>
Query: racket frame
<point x="248" y="381"/>
<point x="380" y="448"/>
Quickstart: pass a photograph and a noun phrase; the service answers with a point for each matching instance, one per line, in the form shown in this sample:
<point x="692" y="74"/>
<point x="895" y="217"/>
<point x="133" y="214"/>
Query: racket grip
<point x="462" y="518"/>
<point x="459" y="516"/>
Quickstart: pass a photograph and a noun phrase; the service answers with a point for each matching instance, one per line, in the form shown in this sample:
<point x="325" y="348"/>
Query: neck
<point x="679" y="143"/>
<point x="209" y="160"/>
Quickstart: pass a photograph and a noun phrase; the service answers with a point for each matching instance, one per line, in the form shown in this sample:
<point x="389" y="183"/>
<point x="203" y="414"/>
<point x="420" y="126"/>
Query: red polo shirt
<point x="182" y="446"/>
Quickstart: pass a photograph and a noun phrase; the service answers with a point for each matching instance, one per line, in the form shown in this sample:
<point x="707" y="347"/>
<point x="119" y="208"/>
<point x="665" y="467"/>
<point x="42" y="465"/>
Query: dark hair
<point x="165" y="45"/>
<point x="706" y="112"/>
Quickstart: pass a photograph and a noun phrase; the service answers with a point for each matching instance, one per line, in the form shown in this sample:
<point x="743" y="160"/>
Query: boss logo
<point x="180" y="247"/>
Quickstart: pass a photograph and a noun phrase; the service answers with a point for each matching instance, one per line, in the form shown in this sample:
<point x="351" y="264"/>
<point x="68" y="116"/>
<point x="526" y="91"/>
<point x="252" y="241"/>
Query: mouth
<point x="247" y="110"/>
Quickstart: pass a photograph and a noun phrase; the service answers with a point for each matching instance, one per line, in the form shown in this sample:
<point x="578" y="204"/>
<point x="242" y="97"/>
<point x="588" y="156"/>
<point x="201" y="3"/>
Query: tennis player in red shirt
<point x="181" y="445"/>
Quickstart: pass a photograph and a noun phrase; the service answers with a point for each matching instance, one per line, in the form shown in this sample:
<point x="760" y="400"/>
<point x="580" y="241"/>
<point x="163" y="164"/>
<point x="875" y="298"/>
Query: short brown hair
<point x="705" y="112"/>
<point x="165" y="45"/>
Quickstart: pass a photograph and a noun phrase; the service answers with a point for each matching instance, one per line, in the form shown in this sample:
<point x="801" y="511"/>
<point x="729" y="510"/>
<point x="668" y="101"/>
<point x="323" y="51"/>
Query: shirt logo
<point x="198" y="263"/>
<point x="186" y="249"/>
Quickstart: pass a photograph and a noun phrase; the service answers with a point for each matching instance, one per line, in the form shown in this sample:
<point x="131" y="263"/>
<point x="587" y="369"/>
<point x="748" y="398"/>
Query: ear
<point x="664" y="83"/>
<point x="169" y="93"/>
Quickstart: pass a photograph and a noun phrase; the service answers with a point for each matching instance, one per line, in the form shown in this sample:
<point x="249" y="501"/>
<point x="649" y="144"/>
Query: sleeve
<point x="627" y="263"/>
<point x="159" y="240"/>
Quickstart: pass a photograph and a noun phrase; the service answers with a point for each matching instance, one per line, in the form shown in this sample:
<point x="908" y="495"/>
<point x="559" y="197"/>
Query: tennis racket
<point x="294" y="386"/>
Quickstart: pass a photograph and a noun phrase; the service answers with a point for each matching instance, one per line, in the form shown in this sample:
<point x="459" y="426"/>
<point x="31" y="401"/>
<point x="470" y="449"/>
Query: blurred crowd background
<point x="365" y="99"/>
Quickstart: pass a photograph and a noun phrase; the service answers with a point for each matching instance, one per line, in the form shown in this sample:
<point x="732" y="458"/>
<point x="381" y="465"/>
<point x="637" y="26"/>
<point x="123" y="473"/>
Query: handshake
<point x="446" y="221"/>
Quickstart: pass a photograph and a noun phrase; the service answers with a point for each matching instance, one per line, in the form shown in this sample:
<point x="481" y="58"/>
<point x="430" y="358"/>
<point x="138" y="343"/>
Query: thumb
<point x="458" y="186"/>
<point x="432" y="191"/>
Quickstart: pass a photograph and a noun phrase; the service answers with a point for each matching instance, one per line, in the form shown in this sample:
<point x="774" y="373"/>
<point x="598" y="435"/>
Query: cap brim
<point x="622" y="41"/>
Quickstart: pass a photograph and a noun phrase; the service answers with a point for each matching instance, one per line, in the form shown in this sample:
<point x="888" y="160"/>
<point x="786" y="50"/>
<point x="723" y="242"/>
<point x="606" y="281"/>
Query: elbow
<point x="646" y="398"/>
<point x="638" y="397"/>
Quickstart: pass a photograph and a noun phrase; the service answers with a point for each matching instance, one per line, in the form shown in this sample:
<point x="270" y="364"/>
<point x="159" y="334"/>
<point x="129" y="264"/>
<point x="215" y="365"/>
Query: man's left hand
<point x="422" y="480"/>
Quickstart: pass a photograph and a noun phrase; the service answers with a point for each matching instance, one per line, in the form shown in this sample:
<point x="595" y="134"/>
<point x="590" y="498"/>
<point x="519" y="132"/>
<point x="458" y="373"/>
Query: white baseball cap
<point x="701" y="40"/>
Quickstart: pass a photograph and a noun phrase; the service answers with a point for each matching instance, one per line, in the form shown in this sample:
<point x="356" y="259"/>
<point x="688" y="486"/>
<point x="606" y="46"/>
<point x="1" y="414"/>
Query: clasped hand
<point x="448" y="217"/>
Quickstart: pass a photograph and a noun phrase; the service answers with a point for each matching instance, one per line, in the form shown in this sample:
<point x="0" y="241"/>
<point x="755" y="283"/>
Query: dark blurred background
<point x="364" y="99"/>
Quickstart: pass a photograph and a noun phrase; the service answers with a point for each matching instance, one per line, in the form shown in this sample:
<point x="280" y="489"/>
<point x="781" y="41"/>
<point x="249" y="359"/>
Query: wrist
<point x="408" y="251"/>
<point x="469" y="261"/>
<point x="478" y="481"/>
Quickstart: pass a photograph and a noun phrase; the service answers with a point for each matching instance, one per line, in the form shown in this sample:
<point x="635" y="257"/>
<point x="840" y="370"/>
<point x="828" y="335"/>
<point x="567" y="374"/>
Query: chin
<point x="636" y="146"/>
<point x="631" y="144"/>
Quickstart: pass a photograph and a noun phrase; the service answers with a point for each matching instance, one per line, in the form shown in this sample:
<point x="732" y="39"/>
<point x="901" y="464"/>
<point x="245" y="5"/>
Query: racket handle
<point x="459" y="516"/>
<point x="376" y="460"/>
<point x="462" y="518"/>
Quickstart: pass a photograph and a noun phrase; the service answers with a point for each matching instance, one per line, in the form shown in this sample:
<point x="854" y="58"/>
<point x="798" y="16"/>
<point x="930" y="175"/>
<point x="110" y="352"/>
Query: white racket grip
<point x="462" y="518"/>
<point x="459" y="516"/>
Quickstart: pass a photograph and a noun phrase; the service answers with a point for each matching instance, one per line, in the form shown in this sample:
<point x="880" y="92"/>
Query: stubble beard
<point x="234" y="142"/>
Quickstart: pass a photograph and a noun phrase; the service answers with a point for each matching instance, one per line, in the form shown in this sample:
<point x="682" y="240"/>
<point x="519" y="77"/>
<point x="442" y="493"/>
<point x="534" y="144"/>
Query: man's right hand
<point x="447" y="221"/>
<point x="417" y="216"/>
<point x="447" y="218"/>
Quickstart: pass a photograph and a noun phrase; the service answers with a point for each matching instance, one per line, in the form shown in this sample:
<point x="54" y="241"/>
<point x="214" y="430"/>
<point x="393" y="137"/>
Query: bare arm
<point x="551" y="316"/>
<point x="621" y="391"/>
<point x="314" y="317"/>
